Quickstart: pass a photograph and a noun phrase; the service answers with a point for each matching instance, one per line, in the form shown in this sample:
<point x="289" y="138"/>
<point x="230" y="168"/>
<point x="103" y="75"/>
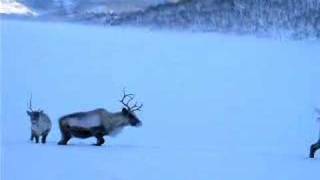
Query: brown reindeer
<point x="99" y="122"/>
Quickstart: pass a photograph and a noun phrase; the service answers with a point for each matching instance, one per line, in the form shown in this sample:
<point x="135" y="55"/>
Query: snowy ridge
<point x="81" y="7"/>
<point x="15" y="8"/>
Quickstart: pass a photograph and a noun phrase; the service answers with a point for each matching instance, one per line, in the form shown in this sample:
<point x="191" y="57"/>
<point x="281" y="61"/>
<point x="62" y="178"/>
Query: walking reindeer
<point x="40" y="124"/>
<point x="99" y="122"/>
<point x="314" y="147"/>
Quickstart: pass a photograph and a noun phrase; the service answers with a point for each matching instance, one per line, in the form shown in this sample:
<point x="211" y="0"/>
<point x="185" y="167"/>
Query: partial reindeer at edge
<point x="314" y="147"/>
<point x="40" y="123"/>
<point x="99" y="122"/>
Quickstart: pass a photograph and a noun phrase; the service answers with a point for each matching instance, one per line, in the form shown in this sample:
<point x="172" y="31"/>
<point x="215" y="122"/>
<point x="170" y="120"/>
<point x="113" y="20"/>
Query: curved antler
<point x="130" y="97"/>
<point x="136" y="107"/>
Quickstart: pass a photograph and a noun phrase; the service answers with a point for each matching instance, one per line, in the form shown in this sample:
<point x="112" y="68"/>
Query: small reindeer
<point x="40" y="124"/>
<point x="99" y="122"/>
<point x="314" y="147"/>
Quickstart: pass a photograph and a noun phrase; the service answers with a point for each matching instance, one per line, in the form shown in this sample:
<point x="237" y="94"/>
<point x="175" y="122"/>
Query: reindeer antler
<point x="130" y="97"/>
<point x="30" y="103"/>
<point x="135" y="107"/>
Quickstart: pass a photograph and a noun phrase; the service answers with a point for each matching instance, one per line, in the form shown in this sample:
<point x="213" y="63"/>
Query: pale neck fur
<point x="114" y="121"/>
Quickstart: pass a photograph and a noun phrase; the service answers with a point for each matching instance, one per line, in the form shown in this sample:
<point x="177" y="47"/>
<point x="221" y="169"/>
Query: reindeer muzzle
<point x="139" y="124"/>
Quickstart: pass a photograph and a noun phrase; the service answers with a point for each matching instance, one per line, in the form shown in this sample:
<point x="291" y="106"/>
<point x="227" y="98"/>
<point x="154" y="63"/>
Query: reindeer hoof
<point x="96" y="144"/>
<point x="62" y="143"/>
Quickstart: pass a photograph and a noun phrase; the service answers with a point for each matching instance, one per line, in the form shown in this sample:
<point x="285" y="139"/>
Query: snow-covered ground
<point x="64" y="9"/>
<point x="215" y="106"/>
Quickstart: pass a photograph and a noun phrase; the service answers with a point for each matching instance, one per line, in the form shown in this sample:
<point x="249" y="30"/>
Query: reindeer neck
<point x="118" y="120"/>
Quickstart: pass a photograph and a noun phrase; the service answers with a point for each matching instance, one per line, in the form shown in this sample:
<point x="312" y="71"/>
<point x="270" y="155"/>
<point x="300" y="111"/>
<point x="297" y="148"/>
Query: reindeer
<point x="99" y="122"/>
<point x="40" y="124"/>
<point x="314" y="147"/>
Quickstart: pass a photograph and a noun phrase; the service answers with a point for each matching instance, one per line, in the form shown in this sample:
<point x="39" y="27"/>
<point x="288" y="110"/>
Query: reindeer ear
<point x="125" y="111"/>
<point x="29" y="113"/>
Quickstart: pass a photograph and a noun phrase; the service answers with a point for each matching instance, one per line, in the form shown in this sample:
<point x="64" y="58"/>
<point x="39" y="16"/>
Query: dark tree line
<point x="297" y="18"/>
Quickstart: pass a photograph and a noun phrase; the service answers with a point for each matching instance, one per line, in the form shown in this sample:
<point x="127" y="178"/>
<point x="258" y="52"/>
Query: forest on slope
<point x="296" y="18"/>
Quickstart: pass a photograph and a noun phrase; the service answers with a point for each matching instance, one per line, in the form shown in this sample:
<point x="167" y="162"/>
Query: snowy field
<point x="216" y="107"/>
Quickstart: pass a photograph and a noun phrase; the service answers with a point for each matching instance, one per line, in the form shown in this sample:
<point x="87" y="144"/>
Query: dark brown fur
<point x="68" y="132"/>
<point x="314" y="148"/>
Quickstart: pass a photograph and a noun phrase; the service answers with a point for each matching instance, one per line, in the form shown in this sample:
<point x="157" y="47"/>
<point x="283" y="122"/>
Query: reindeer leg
<point x="100" y="140"/>
<point x="37" y="138"/>
<point x="314" y="148"/>
<point x="44" y="138"/>
<point x="32" y="136"/>
<point x="65" y="135"/>
<point x="64" y="140"/>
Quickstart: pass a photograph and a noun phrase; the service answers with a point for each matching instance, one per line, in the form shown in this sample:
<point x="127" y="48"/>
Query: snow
<point x="66" y="9"/>
<point x="215" y="106"/>
<point x="15" y="8"/>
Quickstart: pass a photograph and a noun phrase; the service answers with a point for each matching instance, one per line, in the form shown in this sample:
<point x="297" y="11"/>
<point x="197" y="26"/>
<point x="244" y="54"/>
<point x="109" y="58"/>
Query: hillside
<point x="290" y="18"/>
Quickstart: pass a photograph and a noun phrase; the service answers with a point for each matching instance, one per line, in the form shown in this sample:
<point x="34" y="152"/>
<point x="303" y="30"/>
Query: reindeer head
<point x="33" y="114"/>
<point x="128" y="110"/>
